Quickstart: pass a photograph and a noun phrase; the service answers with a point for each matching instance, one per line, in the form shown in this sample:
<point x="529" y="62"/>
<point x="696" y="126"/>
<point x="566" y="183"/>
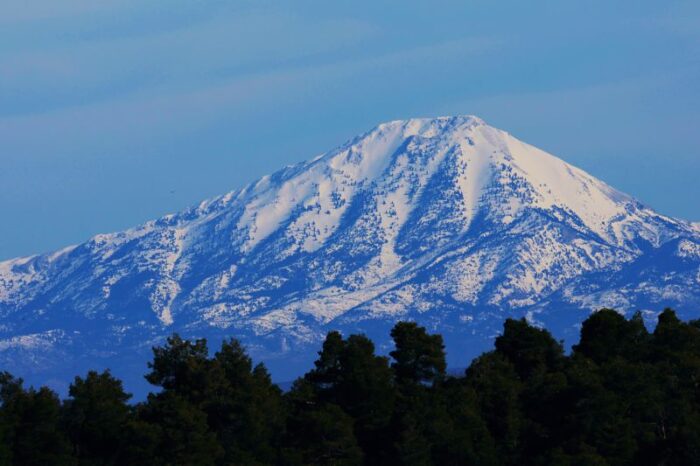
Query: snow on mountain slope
<point x="447" y="221"/>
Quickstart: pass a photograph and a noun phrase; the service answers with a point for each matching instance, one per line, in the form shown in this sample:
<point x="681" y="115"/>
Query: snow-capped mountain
<point x="447" y="221"/>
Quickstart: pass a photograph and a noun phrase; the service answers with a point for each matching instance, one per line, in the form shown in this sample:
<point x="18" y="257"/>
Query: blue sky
<point x="119" y="111"/>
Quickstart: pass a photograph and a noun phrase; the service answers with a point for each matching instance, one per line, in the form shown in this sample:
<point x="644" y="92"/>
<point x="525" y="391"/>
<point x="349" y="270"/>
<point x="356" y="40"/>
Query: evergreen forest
<point x="623" y="395"/>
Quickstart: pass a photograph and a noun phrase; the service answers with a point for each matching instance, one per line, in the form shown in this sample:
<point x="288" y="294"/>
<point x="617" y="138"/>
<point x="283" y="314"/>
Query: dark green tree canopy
<point x="623" y="397"/>
<point x="419" y="358"/>
<point x="182" y="366"/>
<point x="95" y="416"/>
<point x="530" y="349"/>
<point x="606" y="334"/>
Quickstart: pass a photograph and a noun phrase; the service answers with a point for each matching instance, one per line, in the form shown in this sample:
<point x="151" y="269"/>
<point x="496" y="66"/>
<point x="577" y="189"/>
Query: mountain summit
<point x="447" y="221"/>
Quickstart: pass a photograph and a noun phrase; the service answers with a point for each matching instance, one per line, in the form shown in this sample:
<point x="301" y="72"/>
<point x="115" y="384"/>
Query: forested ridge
<point x="623" y="396"/>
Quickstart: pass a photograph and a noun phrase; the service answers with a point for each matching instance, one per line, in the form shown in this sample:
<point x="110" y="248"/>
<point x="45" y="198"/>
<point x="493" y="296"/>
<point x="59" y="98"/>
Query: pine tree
<point x="606" y="335"/>
<point x="497" y="388"/>
<point x="457" y="430"/>
<point x="350" y="375"/>
<point x="9" y="388"/>
<point x="531" y="350"/>
<point x="318" y="433"/>
<point x="419" y="358"/>
<point x="182" y="367"/>
<point x="31" y="424"/>
<point x="95" y="418"/>
<point x="177" y="416"/>
<point x="182" y="435"/>
<point x="419" y="369"/>
<point x="411" y="445"/>
<point x="246" y="410"/>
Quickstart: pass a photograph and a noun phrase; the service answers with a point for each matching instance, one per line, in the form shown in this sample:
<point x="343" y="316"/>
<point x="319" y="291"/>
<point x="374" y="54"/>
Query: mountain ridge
<point x="443" y="220"/>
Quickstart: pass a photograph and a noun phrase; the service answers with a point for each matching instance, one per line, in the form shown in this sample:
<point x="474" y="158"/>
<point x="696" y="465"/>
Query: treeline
<point x="624" y="396"/>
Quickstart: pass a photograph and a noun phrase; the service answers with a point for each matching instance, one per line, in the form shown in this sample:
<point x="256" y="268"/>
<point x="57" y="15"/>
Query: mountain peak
<point x="419" y="126"/>
<point x="445" y="220"/>
<point x="473" y="159"/>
